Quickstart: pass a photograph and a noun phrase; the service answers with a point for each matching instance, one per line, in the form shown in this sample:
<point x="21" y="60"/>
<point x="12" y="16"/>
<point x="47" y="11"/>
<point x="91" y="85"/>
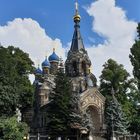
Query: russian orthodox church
<point x="77" y="67"/>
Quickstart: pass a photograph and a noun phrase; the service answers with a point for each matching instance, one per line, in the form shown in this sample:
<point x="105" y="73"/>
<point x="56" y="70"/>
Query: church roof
<point x="38" y="71"/>
<point x="45" y="63"/>
<point x="77" y="41"/>
<point x="53" y="57"/>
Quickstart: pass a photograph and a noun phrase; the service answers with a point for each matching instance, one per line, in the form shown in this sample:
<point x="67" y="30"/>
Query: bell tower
<point x="78" y="64"/>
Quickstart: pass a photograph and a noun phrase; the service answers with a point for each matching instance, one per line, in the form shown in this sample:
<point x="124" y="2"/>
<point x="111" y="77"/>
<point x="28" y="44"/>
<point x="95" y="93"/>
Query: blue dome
<point x="46" y="63"/>
<point x="38" y="71"/>
<point x="53" y="57"/>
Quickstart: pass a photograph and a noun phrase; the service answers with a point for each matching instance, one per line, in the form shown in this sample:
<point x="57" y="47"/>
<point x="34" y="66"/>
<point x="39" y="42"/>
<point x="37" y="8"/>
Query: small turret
<point x="46" y="66"/>
<point x="54" y="61"/>
<point x="38" y="71"/>
<point x="38" y="75"/>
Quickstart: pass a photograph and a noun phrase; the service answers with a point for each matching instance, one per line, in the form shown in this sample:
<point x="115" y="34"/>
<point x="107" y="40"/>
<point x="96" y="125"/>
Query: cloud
<point x="110" y="22"/>
<point x="29" y="36"/>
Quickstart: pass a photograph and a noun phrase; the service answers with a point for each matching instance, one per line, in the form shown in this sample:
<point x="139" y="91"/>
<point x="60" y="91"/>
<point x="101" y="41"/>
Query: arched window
<point x="74" y="66"/>
<point x="84" y="67"/>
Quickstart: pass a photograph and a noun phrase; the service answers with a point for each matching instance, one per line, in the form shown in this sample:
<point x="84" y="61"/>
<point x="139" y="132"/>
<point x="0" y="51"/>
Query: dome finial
<point x="38" y="63"/>
<point x="53" y="49"/>
<point x="76" y="16"/>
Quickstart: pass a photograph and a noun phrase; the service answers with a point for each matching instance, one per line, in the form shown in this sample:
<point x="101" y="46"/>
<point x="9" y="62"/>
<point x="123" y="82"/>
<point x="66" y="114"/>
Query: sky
<point x="108" y="28"/>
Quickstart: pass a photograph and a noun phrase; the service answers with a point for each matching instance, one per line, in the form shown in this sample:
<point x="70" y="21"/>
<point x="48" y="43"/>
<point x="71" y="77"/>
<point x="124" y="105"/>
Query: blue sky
<point x="56" y="16"/>
<point x="108" y="28"/>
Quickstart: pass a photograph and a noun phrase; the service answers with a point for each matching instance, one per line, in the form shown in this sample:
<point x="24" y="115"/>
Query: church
<point x="77" y="67"/>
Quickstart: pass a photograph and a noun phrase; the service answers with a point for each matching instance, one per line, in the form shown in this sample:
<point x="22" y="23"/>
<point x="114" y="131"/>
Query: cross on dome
<point x="76" y="16"/>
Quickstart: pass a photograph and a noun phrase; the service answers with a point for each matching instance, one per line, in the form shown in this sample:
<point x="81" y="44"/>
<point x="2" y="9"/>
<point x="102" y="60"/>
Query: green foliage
<point x="10" y="129"/>
<point x="135" y="61"/>
<point x="58" y="108"/>
<point x="134" y="120"/>
<point x="64" y="116"/>
<point x="114" y="117"/>
<point x="15" y="87"/>
<point x="115" y="76"/>
<point x="75" y="112"/>
<point x="79" y="118"/>
<point x="138" y="30"/>
<point x="135" y="58"/>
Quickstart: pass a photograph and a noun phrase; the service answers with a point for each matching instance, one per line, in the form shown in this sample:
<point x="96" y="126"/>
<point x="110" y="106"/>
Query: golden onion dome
<point x="77" y="18"/>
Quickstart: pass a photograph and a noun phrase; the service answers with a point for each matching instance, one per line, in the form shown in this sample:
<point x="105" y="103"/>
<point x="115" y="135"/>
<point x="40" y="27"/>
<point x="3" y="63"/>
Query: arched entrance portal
<point x="94" y="113"/>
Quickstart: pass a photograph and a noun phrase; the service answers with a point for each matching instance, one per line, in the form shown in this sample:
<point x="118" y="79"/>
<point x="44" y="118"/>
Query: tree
<point x="115" y="76"/>
<point x="79" y="119"/>
<point x="114" y="117"/>
<point x="16" y="90"/>
<point x="135" y="61"/>
<point x="135" y="57"/>
<point x="138" y="30"/>
<point x="75" y="111"/>
<point x="135" y="122"/>
<point x="11" y="129"/>
<point x="58" y="108"/>
<point x="64" y="115"/>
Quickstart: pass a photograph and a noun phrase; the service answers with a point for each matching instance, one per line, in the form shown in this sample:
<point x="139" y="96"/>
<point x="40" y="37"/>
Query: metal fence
<point x="129" y="137"/>
<point x="45" y="137"/>
<point x="38" y="137"/>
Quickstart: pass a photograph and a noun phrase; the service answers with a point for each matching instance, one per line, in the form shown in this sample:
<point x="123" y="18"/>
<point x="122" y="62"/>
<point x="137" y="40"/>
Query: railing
<point x="44" y="137"/>
<point x="128" y="137"/>
<point x="38" y="137"/>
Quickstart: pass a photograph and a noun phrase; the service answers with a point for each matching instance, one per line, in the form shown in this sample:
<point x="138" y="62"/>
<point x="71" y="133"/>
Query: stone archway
<point x="95" y="117"/>
<point x="93" y="101"/>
